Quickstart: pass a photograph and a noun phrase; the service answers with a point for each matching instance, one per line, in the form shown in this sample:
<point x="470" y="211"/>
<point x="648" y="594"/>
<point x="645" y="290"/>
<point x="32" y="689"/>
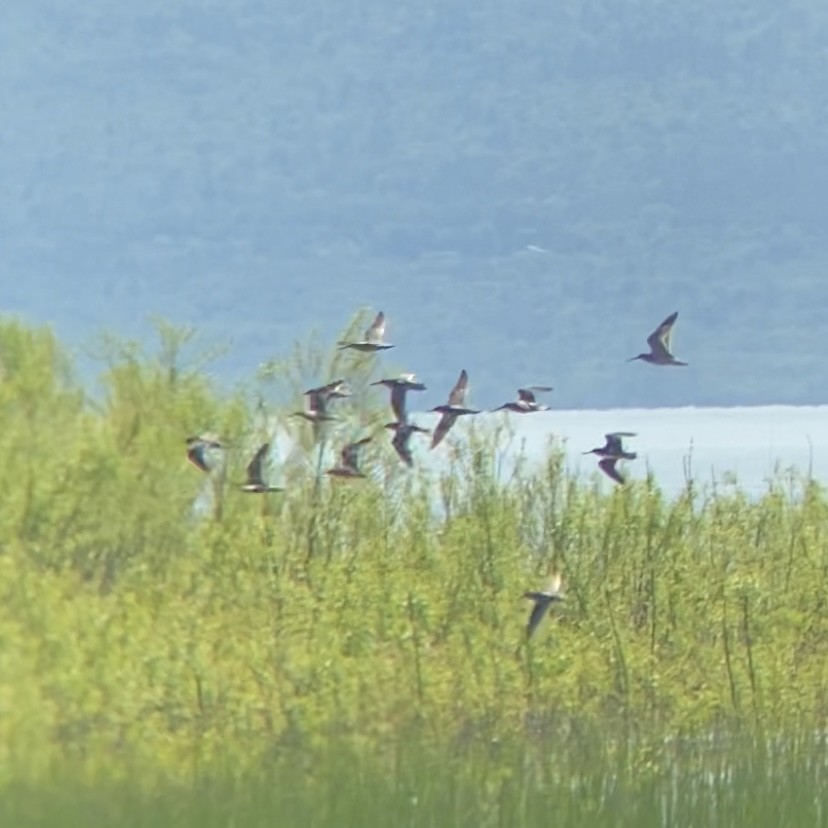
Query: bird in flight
<point x="402" y="437"/>
<point x="400" y="386"/>
<point x="542" y="601"/>
<point x="454" y="408"/>
<point x="318" y="409"/>
<point x="318" y="399"/>
<point x="611" y="452"/>
<point x="614" y="446"/>
<point x="373" y="340"/>
<point x="659" y="342"/>
<point x="348" y="465"/>
<point x="198" y="448"/>
<point x="256" y="484"/>
<point x="526" y="401"/>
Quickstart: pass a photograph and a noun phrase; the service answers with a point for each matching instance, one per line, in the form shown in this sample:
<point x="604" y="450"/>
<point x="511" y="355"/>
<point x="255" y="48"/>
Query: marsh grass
<point x="343" y="647"/>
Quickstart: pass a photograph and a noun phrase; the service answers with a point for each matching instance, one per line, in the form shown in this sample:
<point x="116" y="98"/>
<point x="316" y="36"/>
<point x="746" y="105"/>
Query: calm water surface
<point x="747" y="446"/>
<point x="748" y="443"/>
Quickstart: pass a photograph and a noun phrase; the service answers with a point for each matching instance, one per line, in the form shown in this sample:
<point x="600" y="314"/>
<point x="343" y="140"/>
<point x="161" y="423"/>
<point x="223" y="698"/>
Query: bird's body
<point x="374" y="338"/>
<point x="400" y="386"/>
<point x="614" y="446"/>
<point x="542" y="601"/>
<point x="454" y="408"/>
<point x="198" y="448"/>
<point x="659" y="342"/>
<point x="402" y="437"/>
<point x="256" y="484"/>
<point x="526" y="402"/>
<point x="337" y="389"/>
<point x="348" y="465"/>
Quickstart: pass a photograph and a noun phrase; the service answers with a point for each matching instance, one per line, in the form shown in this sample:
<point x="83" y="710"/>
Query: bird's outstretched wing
<point x="398" y="393"/>
<point x="659" y="339"/>
<point x="254" y="467"/>
<point x="350" y="453"/>
<point x="607" y="466"/>
<point x="446" y="422"/>
<point x="401" y="445"/>
<point x="527" y="394"/>
<point x="538" y="611"/>
<point x="376" y="332"/>
<point x="457" y="397"/>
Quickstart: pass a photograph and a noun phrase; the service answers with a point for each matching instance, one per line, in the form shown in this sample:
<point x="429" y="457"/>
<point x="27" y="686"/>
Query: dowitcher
<point x="400" y="386"/>
<point x="197" y="449"/>
<point x="614" y="446"/>
<point x="256" y="483"/>
<point x="543" y="600"/>
<point x="611" y="452"/>
<point x="454" y="408"/>
<point x="659" y="342"/>
<point x="349" y="460"/>
<point x="318" y="399"/>
<point x="403" y="431"/>
<point x="373" y="338"/>
<point x="526" y="402"/>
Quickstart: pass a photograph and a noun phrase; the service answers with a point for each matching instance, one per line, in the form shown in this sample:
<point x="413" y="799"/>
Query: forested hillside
<point x="526" y="189"/>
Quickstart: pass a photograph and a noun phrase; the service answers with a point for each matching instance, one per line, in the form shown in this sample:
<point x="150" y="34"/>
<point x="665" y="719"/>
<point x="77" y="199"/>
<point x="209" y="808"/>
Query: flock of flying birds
<point x="318" y="412"/>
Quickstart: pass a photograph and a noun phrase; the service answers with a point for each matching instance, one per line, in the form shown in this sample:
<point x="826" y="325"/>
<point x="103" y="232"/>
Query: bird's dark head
<point x="640" y="356"/>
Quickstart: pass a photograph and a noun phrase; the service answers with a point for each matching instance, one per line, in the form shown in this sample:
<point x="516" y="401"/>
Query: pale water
<point x="747" y="446"/>
<point x="752" y="444"/>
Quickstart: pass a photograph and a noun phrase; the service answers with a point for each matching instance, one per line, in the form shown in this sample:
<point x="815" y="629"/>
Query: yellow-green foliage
<point x="137" y="636"/>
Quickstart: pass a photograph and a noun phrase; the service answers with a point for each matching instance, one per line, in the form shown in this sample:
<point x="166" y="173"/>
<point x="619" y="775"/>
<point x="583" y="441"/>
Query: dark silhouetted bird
<point x="373" y="338"/>
<point x="454" y="408"/>
<point x="659" y="342"/>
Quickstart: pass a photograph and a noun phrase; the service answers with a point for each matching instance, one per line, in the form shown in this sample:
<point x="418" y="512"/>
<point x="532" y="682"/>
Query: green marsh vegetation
<point x="345" y="653"/>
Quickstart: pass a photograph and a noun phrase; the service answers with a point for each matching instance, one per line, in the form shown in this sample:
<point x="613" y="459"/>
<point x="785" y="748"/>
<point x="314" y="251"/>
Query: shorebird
<point x="318" y="399"/>
<point x="373" y="338"/>
<point x="611" y="452"/>
<point x="197" y="448"/>
<point x="401" y="438"/>
<point x="659" y="342"/>
<point x="454" y="408"/>
<point x="526" y="402"/>
<point x="349" y="460"/>
<point x="614" y="446"/>
<point x="543" y="600"/>
<point x="400" y="386"/>
<point x="256" y="483"/>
